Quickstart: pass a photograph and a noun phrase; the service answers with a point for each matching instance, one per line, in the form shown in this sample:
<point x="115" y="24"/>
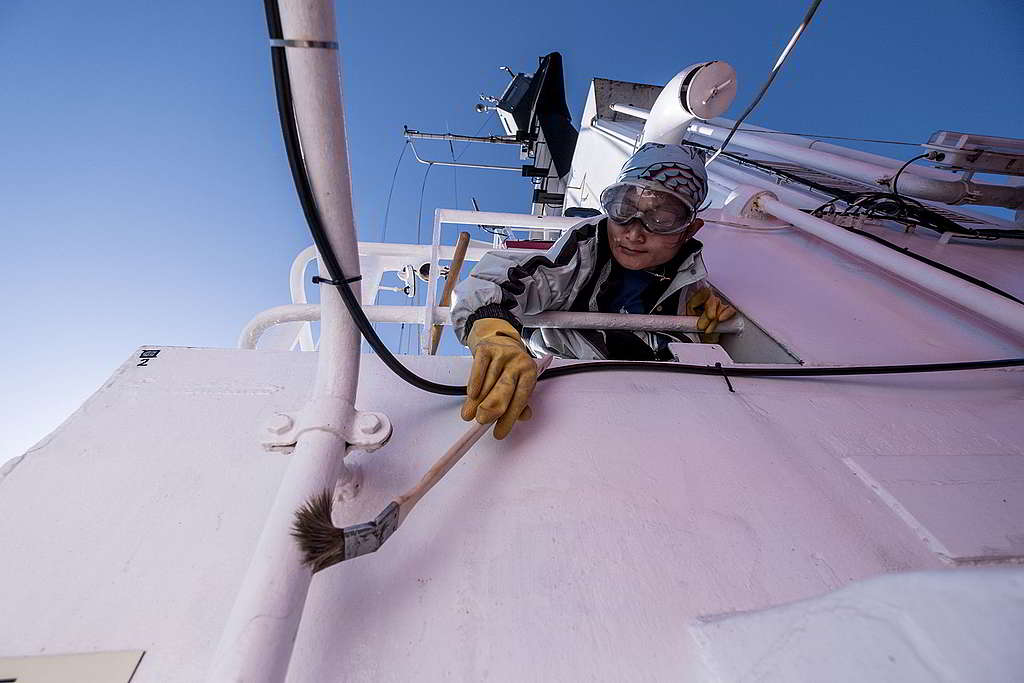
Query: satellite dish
<point x="709" y="89"/>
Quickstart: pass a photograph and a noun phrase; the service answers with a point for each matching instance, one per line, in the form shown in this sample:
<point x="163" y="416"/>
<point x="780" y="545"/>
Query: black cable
<point x="307" y="200"/>
<point x="577" y="368"/>
<point x="289" y="129"/>
<point x="896" y="178"/>
<point x="936" y="264"/>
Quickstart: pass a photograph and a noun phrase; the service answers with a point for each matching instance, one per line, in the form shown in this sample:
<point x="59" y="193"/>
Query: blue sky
<point x="145" y="198"/>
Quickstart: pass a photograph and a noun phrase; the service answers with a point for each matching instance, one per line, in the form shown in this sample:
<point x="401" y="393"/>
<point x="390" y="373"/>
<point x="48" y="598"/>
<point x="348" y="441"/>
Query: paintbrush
<point x="324" y="544"/>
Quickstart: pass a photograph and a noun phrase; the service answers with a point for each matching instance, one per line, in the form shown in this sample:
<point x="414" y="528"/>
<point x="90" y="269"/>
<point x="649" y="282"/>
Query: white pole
<point x="257" y="642"/>
<point x="950" y="191"/>
<point x="998" y="309"/>
<point x="629" y="109"/>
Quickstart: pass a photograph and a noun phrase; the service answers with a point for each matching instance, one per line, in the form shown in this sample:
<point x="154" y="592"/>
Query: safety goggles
<point x="659" y="211"/>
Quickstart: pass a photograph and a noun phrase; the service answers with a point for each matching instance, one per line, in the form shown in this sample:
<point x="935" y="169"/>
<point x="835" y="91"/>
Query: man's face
<point x="636" y="248"/>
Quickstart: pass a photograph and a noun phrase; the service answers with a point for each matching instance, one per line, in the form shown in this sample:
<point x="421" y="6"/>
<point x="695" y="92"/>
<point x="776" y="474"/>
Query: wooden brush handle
<point x="449" y="284"/>
<point x="407" y="500"/>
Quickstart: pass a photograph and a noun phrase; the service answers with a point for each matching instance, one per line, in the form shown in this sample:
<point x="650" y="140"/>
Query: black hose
<point x="781" y="372"/>
<point x="289" y="130"/>
<point x="300" y="175"/>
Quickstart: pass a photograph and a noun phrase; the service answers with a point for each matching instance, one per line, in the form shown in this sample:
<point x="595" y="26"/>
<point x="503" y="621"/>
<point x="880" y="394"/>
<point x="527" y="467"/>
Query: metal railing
<point x="378" y="258"/>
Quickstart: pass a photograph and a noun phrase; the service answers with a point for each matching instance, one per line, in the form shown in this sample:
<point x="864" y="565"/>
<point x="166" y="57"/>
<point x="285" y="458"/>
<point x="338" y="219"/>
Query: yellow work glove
<point x="502" y="378"/>
<point x="711" y="308"/>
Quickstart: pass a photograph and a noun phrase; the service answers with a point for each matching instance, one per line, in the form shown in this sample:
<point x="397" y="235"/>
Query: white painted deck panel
<point x="828" y="307"/>
<point x="583" y="547"/>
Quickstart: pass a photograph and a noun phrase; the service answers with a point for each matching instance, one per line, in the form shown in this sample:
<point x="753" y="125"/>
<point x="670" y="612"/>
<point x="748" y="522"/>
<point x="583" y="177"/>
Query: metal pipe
<point x="997" y="309"/>
<point x="811" y="142"/>
<point x="278" y="315"/>
<point x="948" y="191"/>
<point x="257" y="641"/>
<point x="794" y="194"/>
<point x="486" y="167"/>
<point x="428" y="320"/>
<point x="506" y="220"/>
<point x="261" y="322"/>
<point x="630" y="110"/>
<point x="297" y="288"/>
<point x="626" y="321"/>
<point x="454" y="137"/>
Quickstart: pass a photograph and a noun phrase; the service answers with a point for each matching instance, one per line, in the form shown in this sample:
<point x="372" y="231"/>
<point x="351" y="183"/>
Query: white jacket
<point x="569" y="276"/>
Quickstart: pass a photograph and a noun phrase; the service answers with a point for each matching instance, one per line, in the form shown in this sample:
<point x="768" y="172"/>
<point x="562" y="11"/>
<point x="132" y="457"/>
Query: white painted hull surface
<point x="604" y="540"/>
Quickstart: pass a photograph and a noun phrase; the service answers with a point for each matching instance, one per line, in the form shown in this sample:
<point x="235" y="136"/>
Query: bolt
<point x="368" y="423"/>
<point x="279" y="424"/>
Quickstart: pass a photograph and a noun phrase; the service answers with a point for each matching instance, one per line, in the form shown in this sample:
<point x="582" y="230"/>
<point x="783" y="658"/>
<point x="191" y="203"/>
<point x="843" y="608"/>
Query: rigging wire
<point x="479" y="130"/>
<point x="455" y="175"/>
<point x="387" y="205"/>
<point x="827" y="137"/>
<point x="289" y="130"/>
<point x="775" y="71"/>
<point x="419" y="213"/>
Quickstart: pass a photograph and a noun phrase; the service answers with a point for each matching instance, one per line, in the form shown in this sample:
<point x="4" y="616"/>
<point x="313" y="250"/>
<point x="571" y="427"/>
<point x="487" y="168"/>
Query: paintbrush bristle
<point x="322" y="543"/>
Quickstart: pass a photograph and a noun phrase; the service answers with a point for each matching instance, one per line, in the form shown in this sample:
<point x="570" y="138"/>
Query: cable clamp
<point x="321" y="44"/>
<point x="317" y="280"/>
<point x="727" y="382"/>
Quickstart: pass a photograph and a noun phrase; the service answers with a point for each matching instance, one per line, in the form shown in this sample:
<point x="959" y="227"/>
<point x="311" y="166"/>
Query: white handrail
<point x="297" y="286"/>
<point x="261" y="322"/>
<point x="462" y="217"/>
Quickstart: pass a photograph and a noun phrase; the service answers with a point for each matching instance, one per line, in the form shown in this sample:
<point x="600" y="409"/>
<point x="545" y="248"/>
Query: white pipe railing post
<point x="297" y="287"/>
<point x="257" y="641"/>
<point x="442" y="315"/>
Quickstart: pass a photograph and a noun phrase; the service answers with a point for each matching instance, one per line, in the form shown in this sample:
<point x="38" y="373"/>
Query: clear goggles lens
<point x="659" y="211"/>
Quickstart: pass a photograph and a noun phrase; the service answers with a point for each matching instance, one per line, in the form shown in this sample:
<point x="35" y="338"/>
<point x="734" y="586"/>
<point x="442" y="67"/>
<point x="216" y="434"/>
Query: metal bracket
<point x="364" y="430"/>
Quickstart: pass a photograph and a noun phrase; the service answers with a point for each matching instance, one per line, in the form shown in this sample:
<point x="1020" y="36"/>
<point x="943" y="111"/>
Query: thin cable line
<point x="476" y="134"/>
<point x="387" y="206"/>
<point x="455" y="174"/>
<point x="775" y="71"/>
<point x="419" y="213"/>
<point x="827" y="137"/>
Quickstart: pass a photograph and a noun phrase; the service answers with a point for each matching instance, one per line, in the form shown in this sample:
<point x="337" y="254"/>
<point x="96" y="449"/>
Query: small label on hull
<point x="146" y="356"/>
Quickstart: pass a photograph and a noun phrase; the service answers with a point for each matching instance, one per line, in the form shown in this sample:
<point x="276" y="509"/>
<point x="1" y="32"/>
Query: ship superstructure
<point x="834" y="491"/>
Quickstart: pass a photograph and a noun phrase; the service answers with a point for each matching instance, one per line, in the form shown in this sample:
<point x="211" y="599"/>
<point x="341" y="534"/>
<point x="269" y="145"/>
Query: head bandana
<point x="679" y="170"/>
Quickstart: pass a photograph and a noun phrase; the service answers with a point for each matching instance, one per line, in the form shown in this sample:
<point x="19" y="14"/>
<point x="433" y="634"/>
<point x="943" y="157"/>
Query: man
<point x="640" y="257"/>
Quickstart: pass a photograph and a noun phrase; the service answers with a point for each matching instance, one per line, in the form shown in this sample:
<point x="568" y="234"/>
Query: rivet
<point x="279" y="424"/>
<point x="368" y="423"/>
